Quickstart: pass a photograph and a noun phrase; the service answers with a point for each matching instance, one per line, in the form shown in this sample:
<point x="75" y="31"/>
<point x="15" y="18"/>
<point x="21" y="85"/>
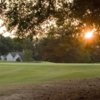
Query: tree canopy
<point x="27" y="15"/>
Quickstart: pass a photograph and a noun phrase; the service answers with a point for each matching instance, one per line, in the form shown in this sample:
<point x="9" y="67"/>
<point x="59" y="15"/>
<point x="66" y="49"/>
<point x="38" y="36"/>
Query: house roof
<point x="16" y="53"/>
<point x="13" y="54"/>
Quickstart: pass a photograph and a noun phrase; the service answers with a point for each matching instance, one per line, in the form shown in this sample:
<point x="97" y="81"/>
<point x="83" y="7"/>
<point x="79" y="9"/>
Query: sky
<point x="3" y="30"/>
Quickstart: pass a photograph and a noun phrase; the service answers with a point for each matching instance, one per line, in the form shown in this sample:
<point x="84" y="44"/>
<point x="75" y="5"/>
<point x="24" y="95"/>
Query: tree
<point x="28" y="55"/>
<point x="62" y="46"/>
<point x="8" y="44"/>
<point x="27" y="15"/>
<point x="5" y="45"/>
<point x="87" y="11"/>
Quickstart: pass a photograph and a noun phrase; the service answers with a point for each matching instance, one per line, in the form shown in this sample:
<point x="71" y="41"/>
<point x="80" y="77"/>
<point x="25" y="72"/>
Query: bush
<point x="28" y="56"/>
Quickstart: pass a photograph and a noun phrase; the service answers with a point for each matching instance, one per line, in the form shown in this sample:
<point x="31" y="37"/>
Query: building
<point x="12" y="56"/>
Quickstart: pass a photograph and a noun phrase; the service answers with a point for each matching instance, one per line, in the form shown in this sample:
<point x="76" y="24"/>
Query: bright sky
<point x="3" y="30"/>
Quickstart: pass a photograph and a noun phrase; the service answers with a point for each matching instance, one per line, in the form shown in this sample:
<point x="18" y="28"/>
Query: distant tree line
<point x="25" y="46"/>
<point x="7" y="45"/>
<point x="67" y="49"/>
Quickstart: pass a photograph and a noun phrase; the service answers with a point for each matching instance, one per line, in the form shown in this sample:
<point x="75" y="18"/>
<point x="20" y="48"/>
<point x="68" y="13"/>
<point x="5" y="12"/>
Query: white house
<point x="12" y="56"/>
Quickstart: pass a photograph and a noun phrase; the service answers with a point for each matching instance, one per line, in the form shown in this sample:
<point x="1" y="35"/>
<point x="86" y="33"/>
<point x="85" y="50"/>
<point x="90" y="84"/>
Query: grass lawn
<point x="27" y="73"/>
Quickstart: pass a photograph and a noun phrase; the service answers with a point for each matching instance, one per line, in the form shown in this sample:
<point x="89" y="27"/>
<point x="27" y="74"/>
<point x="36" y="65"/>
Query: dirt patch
<point x="86" y="89"/>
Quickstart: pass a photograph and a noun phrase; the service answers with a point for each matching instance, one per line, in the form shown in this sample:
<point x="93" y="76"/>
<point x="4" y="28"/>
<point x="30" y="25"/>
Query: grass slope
<point x="26" y="73"/>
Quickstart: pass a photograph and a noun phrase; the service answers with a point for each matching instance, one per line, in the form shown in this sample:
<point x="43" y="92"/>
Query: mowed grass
<point x="29" y="73"/>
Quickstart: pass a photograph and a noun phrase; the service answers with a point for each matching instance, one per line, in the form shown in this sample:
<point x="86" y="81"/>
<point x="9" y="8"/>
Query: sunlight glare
<point x="89" y="34"/>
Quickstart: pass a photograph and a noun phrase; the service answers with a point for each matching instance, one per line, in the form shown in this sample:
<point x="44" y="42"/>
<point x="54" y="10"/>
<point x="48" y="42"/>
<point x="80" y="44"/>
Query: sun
<point x="89" y="34"/>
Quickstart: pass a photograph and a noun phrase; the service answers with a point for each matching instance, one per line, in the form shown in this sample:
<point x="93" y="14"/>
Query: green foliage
<point x="61" y="45"/>
<point x="27" y="43"/>
<point x="9" y="45"/>
<point x="5" y="45"/>
<point x="27" y="55"/>
<point x="12" y="45"/>
<point x="27" y="14"/>
<point x="88" y="11"/>
<point x="60" y="50"/>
